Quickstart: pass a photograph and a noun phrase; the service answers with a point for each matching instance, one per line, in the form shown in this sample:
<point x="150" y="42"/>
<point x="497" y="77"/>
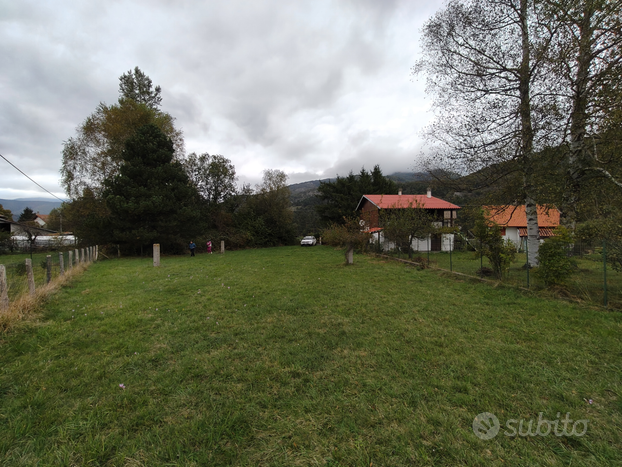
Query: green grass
<point x="284" y="356"/>
<point x="586" y="285"/>
<point x="16" y="271"/>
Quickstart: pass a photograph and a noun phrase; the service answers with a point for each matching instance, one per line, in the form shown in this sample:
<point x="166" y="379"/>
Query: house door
<point x="435" y="243"/>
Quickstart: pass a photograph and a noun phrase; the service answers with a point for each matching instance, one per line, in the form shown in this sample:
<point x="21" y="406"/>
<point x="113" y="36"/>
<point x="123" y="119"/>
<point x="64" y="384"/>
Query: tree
<point x="403" y="225"/>
<point x="151" y="199"/>
<point x="589" y="62"/>
<point x="486" y="62"/>
<point x="95" y="153"/>
<point x="213" y="176"/>
<point x="340" y="197"/>
<point x="88" y="217"/>
<point x="264" y="217"/>
<point x="137" y="86"/>
<point x="500" y="253"/>
<point x="6" y="213"/>
<point x="27" y="215"/>
<point x="347" y="234"/>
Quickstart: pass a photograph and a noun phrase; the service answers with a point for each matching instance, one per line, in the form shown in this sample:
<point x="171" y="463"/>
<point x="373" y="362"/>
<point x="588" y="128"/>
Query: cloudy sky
<point x="314" y="88"/>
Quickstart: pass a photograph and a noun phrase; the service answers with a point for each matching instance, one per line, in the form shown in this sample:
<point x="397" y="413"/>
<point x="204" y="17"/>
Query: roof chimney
<point x="429" y="195"/>
<point x="399" y="192"/>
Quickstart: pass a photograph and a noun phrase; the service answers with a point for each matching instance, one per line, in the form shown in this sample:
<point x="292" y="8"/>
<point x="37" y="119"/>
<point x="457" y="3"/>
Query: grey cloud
<point x="266" y="83"/>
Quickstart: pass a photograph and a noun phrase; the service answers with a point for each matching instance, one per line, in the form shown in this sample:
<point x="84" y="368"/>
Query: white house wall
<point x="511" y="233"/>
<point x="418" y="244"/>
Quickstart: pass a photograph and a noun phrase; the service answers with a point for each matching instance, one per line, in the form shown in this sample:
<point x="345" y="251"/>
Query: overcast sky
<point x="314" y="88"/>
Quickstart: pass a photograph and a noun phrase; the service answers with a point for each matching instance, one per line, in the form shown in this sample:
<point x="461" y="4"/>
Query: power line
<point x="20" y="171"/>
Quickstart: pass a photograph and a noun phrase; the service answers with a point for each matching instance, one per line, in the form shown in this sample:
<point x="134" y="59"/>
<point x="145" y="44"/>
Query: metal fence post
<point x="48" y="269"/>
<point x="481" y="259"/>
<point x="451" y="247"/>
<point x="429" y="250"/>
<point x="605" y="272"/>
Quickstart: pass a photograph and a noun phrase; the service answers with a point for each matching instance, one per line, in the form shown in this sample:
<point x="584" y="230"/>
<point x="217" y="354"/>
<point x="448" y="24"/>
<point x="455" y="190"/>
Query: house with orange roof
<point x="513" y="221"/>
<point x="42" y="219"/>
<point x="442" y="211"/>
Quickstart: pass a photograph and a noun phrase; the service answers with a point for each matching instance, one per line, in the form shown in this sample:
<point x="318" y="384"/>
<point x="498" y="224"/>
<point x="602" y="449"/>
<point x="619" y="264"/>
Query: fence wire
<point x="16" y="271"/>
<point x="597" y="277"/>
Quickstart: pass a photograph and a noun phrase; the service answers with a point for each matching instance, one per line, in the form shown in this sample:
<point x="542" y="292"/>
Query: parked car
<point x="309" y="240"/>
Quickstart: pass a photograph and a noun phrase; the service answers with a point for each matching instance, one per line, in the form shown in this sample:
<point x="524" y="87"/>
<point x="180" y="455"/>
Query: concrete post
<point x="70" y="258"/>
<point x="4" y="289"/>
<point x="31" y="277"/>
<point x="82" y="255"/>
<point x="156" y="255"/>
<point x="61" y="263"/>
<point x="77" y="256"/>
<point x="222" y="247"/>
<point x="350" y="255"/>
<point x="96" y="252"/>
<point x="48" y="269"/>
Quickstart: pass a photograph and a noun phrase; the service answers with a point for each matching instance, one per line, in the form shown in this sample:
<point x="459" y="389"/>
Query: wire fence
<point x="23" y="273"/>
<point x="596" y="276"/>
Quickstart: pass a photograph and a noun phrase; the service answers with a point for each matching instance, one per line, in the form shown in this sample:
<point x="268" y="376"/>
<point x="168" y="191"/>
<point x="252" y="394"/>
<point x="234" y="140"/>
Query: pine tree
<point x="151" y="199"/>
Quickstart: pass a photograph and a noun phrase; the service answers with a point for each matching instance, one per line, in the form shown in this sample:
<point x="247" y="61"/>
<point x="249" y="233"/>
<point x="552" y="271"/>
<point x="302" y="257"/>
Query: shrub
<point x="555" y="263"/>
<point x="499" y="252"/>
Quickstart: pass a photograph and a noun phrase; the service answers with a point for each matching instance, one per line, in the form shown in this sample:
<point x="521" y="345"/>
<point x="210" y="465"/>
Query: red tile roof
<point x="514" y="216"/>
<point x="543" y="232"/>
<point x="407" y="201"/>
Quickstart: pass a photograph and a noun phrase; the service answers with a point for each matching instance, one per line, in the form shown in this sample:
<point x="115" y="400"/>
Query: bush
<point x="499" y="252"/>
<point x="555" y="264"/>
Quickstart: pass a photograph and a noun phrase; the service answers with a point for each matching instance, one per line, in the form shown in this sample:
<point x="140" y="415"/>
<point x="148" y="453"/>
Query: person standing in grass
<point x="209" y="246"/>
<point x="192" y="247"/>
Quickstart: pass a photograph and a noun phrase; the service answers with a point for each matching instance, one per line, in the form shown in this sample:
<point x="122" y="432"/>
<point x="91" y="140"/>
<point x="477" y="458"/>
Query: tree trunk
<point x="527" y="154"/>
<point x="575" y="163"/>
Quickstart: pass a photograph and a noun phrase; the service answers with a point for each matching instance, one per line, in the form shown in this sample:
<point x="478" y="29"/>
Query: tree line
<point x="130" y="183"/>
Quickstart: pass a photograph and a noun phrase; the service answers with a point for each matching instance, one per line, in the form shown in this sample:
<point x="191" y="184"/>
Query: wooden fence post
<point x="222" y="247"/>
<point x="31" y="277"/>
<point x="48" y="269"/>
<point x="70" y="259"/>
<point x="61" y="263"/>
<point x="156" y="255"/>
<point x="4" y="289"/>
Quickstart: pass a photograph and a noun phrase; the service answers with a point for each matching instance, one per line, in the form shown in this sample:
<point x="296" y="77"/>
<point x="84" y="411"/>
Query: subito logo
<point x="486" y="425"/>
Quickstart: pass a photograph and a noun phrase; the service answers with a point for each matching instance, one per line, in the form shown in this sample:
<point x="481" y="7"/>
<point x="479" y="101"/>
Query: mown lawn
<point x="284" y="356"/>
<point x="585" y="285"/>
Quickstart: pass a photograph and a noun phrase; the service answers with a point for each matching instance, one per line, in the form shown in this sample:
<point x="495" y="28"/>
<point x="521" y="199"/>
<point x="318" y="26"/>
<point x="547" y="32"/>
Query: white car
<point x="308" y="241"/>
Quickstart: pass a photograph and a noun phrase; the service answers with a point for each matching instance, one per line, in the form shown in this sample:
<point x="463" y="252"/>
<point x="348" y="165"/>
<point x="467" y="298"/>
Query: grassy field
<point x="586" y="285"/>
<point x="16" y="271"/>
<point x="284" y="356"/>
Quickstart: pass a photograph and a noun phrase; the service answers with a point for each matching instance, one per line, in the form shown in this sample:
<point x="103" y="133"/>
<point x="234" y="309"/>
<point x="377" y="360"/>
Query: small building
<point x="513" y="222"/>
<point x="443" y="212"/>
<point x="41" y="219"/>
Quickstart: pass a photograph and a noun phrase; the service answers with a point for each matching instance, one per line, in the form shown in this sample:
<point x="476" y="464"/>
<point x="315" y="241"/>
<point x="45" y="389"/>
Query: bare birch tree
<point x="588" y="62"/>
<point x="486" y="64"/>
